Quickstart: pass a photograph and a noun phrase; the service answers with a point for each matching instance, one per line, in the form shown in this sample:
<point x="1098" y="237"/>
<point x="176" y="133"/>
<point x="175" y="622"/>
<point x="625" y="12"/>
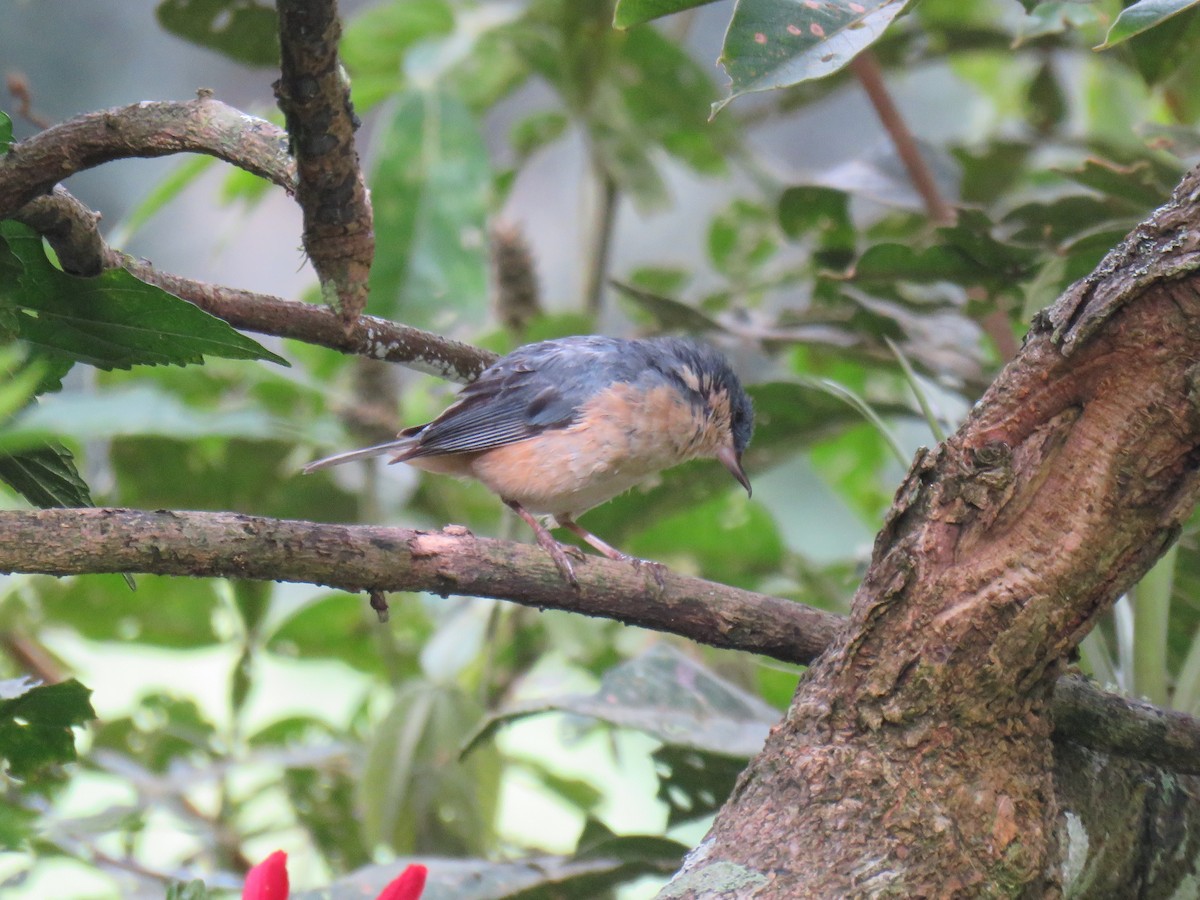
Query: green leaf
<point x="414" y="796"/>
<point x="189" y="890"/>
<point x="537" y="131"/>
<point x="36" y="723"/>
<point x="430" y="189"/>
<point x="112" y="321"/>
<point x="164" y="612"/>
<point x="694" y="783"/>
<point x="17" y="825"/>
<point x="139" y="409"/>
<point x="667" y="695"/>
<point x="1142" y="16"/>
<point x="741" y="238"/>
<point x="665" y="313"/>
<point x="46" y="477"/>
<point x="777" y="43"/>
<point x="635" y="12"/>
<point x="243" y="30"/>
<point x="377" y="40"/>
<point x="6" y="132"/>
<point x="823" y="212"/>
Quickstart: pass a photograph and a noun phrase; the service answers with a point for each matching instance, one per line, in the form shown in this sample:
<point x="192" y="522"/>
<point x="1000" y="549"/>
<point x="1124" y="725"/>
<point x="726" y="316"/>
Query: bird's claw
<point x="657" y="570"/>
<point x="558" y="552"/>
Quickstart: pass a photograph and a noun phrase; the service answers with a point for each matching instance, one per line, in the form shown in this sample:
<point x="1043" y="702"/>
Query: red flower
<point x="268" y="880"/>
<point x="408" y="885"/>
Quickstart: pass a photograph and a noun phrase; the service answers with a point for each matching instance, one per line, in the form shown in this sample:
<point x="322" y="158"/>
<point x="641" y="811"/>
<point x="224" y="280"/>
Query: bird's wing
<point x="513" y="401"/>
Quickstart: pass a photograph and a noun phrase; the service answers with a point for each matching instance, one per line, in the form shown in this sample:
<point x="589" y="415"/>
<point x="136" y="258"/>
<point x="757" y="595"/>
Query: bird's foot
<point x="559" y="553"/>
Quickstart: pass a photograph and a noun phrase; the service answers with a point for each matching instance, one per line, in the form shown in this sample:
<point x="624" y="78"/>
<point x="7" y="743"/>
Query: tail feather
<point x="365" y="453"/>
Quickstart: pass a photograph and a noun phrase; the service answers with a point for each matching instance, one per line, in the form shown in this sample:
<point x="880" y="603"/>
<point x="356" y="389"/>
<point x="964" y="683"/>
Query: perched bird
<point x="558" y="427"/>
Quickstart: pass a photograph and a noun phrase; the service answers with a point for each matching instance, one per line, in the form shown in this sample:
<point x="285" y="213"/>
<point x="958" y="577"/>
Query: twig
<point x="314" y="95"/>
<point x="33" y="166"/>
<point x="596" y="265"/>
<point x="870" y="76"/>
<point x="18" y="87"/>
<point x="866" y="68"/>
<point x="373" y="558"/>
<point x="71" y="229"/>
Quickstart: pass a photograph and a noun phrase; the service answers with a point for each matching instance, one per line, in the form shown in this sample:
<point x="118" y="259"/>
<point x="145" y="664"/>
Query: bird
<point x="558" y="427"/>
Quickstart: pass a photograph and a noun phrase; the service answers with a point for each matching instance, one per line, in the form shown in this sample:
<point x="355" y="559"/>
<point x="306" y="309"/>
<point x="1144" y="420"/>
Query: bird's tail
<point x="365" y="453"/>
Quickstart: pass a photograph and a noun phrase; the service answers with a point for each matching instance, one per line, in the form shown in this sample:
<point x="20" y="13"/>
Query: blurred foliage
<point x="261" y="716"/>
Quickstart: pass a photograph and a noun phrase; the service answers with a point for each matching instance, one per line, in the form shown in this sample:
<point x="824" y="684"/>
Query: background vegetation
<point x="867" y="295"/>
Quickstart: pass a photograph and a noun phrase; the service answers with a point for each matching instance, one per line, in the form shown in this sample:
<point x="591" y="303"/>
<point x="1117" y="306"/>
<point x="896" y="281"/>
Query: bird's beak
<point x="731" y="460"/>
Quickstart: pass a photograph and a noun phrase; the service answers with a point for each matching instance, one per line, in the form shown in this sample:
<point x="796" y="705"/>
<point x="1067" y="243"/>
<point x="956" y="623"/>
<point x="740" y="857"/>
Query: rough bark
<point x="373" y="558"/>
<point x="916" y="758"/>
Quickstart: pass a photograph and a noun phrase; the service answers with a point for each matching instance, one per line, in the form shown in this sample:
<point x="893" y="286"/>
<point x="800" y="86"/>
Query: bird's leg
<point x="558" y="552"/>
<point x="656" y="568"/>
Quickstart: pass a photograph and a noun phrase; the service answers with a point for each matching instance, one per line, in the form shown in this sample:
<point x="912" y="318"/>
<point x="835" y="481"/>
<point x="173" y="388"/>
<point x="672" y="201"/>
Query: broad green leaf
<point x="635" y="12"/>
<point x="338" y="627"/>
<point x="667" y="695"/>
<point x="36" y="723"/>
<point x="377" y="40"/>
<point x="6" y="132"/>
<point x="1138" y="183"/>
<point x="1054" y="17"/>
<point x="1142" y="16"/>
<point x="414" y="795"/>
<point x="111" y="321"/>
<point x="725" y="539"/>
<point x="667" y="95"/>
<point x="429" y="189"/>
<point x="665" y="313"/>
<point x="164" y="612"/>
<point x="777" y="43"/>
<point x="45" y="476"/>
<point x="244" y="30"/>
<point x="136" y="410"/>
<point x="694" y="783"/>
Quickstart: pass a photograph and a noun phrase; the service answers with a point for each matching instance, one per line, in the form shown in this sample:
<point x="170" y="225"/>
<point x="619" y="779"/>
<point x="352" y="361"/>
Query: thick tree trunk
<point x="916" y="759"/>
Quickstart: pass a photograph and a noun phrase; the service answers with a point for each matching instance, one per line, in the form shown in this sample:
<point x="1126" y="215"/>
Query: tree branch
<point x="71" y="228"/>
<point x="356" y="558"/>
<point x="314" y="94"/>
<point x="33" y="166"/>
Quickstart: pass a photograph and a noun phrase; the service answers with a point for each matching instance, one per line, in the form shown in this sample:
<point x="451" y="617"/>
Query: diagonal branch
<point x="71" y="228"/>
<point x="355" y="558"/>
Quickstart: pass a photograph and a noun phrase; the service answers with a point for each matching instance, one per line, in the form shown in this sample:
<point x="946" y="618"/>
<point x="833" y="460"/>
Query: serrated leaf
<point x="1142" y="16"/>
<point x="635" y="12"/>
<point x="35" y="726"/>
<point x="430" y="189"/>
<point x="244" y="30"/>
<point x="111" y="321"/>
<point x="666" y="695"/>
<point x="777" y="43"/>
<point x="46" y="477"/>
